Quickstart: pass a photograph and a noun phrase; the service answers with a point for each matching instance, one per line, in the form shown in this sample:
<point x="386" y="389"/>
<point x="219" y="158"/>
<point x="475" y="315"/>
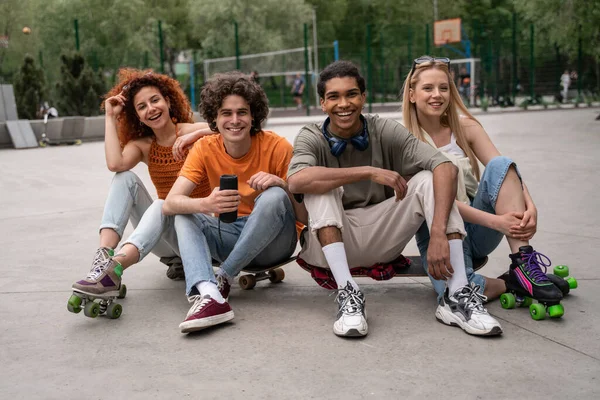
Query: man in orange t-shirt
<point x="264" y="232"/>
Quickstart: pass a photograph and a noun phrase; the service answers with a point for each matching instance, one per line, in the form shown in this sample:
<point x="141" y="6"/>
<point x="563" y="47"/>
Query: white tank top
<point x="452" y="147"/>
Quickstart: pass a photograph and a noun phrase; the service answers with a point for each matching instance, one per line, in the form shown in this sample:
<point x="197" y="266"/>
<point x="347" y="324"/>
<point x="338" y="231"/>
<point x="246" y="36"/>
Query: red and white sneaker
<point x="223" y="286"/>
<point x="205" y="312"/>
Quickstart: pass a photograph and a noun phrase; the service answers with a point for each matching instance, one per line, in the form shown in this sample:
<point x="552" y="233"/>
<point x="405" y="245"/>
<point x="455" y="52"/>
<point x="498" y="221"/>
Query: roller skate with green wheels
<point x="525" y="281"/>
<point x="562" y="272"/>
<point x="96" y="294"/>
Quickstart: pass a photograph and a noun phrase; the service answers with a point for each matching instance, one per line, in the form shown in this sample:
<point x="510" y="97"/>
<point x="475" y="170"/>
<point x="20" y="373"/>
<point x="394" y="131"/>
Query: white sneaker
<point x="465" y="310"/>
<point x="351" y="316"/>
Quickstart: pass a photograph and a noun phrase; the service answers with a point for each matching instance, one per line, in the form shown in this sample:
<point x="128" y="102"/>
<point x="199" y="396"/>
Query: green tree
<point x="29" y="86"/>
<point x="80" y="89"/>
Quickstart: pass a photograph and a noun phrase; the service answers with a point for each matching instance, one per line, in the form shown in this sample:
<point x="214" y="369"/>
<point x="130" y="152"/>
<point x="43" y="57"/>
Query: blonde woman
<point x="495" y="206"/>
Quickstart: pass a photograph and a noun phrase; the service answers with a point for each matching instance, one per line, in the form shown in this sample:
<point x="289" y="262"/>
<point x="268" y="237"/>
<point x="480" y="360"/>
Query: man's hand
<point x="263" y="181"/>
<point x="391" y="179"/>
<point x="222" y="201"/>
<point x="182" y="145"/>
<point x="438" y="257"/>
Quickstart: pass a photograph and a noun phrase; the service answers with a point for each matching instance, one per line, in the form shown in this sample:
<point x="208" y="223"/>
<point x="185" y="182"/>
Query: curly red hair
<point x="130" y="82"/>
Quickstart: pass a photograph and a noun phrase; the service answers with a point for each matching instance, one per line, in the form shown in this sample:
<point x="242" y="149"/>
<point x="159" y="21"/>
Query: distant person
<point x="47" y="112"/>
<point x="255" y="77"/>
<point x="148" y="119"/>
<point x="298" y="90"/>
<point x="464" y="86"/>
<point x="565" y="82"/>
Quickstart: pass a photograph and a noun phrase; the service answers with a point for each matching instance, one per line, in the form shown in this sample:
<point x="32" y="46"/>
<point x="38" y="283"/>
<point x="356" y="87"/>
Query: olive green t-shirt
<point x="391" y="146"/>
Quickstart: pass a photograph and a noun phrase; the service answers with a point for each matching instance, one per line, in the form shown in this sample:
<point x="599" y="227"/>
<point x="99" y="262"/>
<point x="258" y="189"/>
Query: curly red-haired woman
<point x="148" y="119"/>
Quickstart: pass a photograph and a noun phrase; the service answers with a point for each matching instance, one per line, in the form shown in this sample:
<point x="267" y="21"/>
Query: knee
<point x="182" y="221"/>
<point x="421" y="179"/>
<point x="127" y="177"/>
<point x="273" y="199"/>
<point x="499" y="165"/>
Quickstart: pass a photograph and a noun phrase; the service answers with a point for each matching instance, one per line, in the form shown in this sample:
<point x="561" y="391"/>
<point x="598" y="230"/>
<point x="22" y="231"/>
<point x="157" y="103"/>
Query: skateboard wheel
<point x="572" y="282"/>
<point x="114" y="311"/>
<point x="507" y="300"/>
<point x="561" y="270"/>
<point x="74" y="304"/>
<point x="527" y="301"/>
<point x="122" y="292"/>
<point x="276" y="275"/>
<point x="556" y="311"/>
<point x="247" y="282"/>
<point x="537" y="311"/>
<point x="92" y="309"/>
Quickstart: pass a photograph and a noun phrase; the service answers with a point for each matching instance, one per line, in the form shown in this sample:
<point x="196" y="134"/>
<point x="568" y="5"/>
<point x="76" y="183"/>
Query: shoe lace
<point x="350" y="301"/>
<point x="101" y="261"/>
<point x="198" y="302"/>
<point x="533" y="263"/>
<point x="473" y="299"/>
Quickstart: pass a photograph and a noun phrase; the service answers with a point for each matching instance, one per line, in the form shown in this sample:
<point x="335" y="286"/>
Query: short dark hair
<point x="339" y="69"/>
<point x="233" y="83"/>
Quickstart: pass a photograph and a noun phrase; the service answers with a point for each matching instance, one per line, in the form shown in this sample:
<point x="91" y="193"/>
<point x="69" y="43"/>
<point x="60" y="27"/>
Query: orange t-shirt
<point x="208" y="160"/>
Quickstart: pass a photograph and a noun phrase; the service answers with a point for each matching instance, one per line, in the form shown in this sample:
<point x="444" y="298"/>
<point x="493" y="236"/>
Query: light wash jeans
<point x="128" y="200"/>
<point x="264" y="238"/>
<point x="480" y="241"/>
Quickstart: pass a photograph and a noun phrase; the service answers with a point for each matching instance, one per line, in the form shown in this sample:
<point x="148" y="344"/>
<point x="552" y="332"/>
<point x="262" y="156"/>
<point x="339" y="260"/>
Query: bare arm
<point x="319" y="180"/>
<point x="444" y="192"/>
<point x="117" y="159"/>
<point x="178" y="200"/>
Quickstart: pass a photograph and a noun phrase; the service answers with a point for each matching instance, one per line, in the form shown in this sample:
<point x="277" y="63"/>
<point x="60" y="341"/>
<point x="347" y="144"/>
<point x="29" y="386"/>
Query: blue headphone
<point x="360" y="142"/>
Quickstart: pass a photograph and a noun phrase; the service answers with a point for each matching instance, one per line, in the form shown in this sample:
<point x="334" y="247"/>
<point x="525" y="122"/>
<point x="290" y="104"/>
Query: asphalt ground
<point x="280" y="344"/>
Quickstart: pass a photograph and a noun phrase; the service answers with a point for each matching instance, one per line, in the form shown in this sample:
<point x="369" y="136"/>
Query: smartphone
<point x="228" y="182"/>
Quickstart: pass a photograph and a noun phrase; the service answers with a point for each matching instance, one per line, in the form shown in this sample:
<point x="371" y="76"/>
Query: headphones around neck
<point x="337" y="145"/>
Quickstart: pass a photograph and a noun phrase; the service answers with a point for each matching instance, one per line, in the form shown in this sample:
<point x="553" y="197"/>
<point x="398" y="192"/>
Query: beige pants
<point x="377" y="233"/>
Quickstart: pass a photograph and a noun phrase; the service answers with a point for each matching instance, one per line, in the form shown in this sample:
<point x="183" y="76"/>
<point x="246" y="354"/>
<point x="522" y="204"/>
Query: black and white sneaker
<point x="351" y="317"/>
<point x="465" y="309"/>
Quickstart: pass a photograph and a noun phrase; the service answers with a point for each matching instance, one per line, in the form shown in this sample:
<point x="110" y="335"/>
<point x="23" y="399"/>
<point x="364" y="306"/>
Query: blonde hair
<point x="450" y="118"/>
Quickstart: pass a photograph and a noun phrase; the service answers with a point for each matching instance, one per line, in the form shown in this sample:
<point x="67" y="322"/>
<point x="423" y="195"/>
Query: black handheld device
<point x="228" y="182"/>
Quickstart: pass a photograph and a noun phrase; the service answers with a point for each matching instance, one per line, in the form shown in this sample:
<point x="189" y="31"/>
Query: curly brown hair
<point x="222" y="85"/>
<point x="131" y="81"/>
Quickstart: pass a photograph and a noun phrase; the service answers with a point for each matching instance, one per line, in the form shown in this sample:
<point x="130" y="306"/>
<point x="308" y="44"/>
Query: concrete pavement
<point x="280" y="344"/>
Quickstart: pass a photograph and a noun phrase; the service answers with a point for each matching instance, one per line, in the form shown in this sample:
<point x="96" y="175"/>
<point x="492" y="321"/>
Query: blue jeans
<point x="480" y="241"/>
<point x="128" y="200"/>
<point x="264" y="238"/>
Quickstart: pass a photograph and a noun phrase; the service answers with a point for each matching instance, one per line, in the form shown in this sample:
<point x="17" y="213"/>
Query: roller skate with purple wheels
<point x="526" y="281"/>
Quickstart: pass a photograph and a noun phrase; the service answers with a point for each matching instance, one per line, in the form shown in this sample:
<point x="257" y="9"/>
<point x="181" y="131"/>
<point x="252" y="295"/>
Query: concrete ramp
<point x="21" y="134"/>
<point x="8" y="106"/>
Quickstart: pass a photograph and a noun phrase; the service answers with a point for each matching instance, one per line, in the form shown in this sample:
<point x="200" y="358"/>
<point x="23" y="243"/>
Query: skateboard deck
<point x="274" y="273"/>
<point x="407" y="267"/>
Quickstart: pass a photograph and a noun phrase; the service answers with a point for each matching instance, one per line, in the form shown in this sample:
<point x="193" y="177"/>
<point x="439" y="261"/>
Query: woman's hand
<point x="182" y="146"/>
<point x="527" y="227"/>
<point x="114" y="105"/>
<point x="506" y="222"/>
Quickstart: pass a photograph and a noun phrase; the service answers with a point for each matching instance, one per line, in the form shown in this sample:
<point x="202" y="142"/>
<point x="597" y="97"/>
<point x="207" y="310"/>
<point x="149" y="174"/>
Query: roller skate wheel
<point x="247" y="282"/>
<point x="572" y="282"/>
<point x="122" y="292"/>
<point x="561" y="270"/>
<point x="527" y="301"/>
<point x="556" y="311"/>
<point x="92" y="309"/>
<point x="537" y="311"/>
<point x="74" y="304"/>
<point x="276" y="275"/>
<point x="507" y="300"/>
<point x="114" y="311"/>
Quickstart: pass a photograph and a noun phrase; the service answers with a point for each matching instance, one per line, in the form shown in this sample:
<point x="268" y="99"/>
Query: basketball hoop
<point x="446" y="31"/>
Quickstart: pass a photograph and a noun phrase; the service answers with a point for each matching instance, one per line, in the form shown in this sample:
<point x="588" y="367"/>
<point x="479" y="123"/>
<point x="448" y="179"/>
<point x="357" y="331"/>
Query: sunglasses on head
<point x="426" y="59"/>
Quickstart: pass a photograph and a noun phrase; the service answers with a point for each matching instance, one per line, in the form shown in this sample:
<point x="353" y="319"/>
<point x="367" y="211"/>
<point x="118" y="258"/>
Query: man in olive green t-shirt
<point x="368" y="185"/>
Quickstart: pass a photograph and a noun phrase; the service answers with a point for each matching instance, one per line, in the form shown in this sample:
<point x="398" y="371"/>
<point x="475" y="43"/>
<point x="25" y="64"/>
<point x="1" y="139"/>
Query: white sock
<point x="335" y="254"/>
<point x="211" y="289"/>
<point x="221" y="272"/>
<point x="457" y="259"/>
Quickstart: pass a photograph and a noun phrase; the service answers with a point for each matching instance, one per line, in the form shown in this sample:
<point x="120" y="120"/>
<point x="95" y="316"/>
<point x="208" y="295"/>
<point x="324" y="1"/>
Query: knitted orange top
<point x="164" y="169"/>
